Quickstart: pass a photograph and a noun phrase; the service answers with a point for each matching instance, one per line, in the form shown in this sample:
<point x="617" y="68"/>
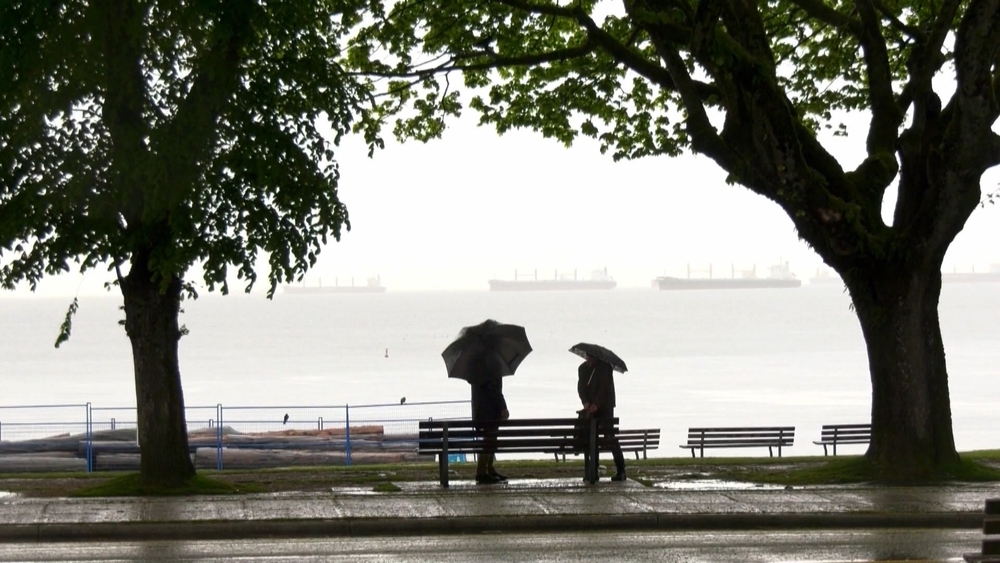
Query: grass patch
<point x="386" y="488"/>
<point x="971" y="469"/>
<point x="839" y="471"/>
<point x="855" y="469"/>
<point x="985" y="455"/>
<point x="129" y="486"/>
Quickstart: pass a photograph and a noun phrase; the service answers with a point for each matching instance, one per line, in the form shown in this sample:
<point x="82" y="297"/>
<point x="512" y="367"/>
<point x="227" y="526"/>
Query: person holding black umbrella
<point x="483" y="355"/>
<point x="596" y="387"/>
<point x="488" y="407"/>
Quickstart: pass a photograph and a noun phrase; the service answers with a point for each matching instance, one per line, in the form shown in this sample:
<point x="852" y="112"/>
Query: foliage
<point x="750" y="85"/>
<point x="67" y="325"/>
<point x="747" y="84"/>
<point x="189" y="129"/>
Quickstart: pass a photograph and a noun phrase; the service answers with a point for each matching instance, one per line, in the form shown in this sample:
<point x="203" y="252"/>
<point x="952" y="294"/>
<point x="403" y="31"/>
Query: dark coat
<point x="596" y="385"/>
<point x="487" y="400"/>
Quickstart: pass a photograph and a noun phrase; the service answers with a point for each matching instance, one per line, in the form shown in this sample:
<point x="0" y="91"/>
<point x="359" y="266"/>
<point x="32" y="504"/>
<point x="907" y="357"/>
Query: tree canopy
<point x="750" y="85"/>
<point x="164" y="135"/>
<point x="191" y="127"/>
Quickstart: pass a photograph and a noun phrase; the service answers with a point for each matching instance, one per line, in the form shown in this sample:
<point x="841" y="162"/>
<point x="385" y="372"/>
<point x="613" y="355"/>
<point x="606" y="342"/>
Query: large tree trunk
<point x="912" y="435"/>
<point x="151" y="316"/>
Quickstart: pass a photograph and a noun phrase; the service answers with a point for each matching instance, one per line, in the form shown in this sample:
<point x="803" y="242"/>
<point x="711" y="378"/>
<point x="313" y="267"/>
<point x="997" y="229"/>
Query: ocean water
<point x="696" y="358"/>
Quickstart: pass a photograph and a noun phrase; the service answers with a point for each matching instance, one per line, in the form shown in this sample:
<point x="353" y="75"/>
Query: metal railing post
<point x="347" y="434"/>
<point x="90" y="440"/>
<point x="218" y="437"/>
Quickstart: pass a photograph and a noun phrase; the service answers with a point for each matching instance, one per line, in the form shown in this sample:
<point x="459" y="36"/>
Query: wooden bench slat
<point x="518" y="443"/>
<point x="741" y="428"/>
<point x="468" y="423"/>
<point x="748" y="435"/>
<point x="718" y="437"/>
<point x="851" y="434"/>
<point x="708" y="445"/>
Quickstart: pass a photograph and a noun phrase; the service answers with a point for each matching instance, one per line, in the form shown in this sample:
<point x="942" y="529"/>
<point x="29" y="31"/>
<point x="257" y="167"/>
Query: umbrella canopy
<point x="489" y="349"/>
<point x="584" y="349"/>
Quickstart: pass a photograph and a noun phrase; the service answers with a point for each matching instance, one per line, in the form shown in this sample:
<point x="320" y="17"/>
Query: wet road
<point x="661" y="547"/>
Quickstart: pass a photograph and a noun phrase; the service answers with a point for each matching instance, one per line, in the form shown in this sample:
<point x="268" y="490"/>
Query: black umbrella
<point x="488" y="349"/>
<point x="601" y="353"/>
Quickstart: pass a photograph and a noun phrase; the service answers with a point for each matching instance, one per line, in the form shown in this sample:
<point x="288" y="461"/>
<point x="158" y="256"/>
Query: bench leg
<point x="824" y="450"/>
<point x="443" y="469"/>
<point x="590" y="464"/>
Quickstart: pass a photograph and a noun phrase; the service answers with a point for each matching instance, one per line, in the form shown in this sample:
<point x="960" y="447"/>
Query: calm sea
<point x="750" y="357"/>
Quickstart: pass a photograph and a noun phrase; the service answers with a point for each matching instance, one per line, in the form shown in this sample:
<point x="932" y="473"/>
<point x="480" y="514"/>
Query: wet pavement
<point x="525" y="505"/>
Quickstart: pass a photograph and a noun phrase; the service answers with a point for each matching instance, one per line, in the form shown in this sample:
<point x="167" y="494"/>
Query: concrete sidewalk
<point x="528" y="505"/>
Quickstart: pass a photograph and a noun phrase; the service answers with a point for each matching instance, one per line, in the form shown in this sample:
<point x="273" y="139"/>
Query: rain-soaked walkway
<point x="520" y="505"/>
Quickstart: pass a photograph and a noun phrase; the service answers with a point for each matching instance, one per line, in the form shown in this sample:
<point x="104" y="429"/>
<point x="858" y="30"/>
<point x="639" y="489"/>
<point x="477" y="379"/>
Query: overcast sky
<point x="453" y="213"/>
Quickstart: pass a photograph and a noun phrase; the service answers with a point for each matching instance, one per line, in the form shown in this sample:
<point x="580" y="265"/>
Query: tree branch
<point x="909" y="30"/>
<point x="820" y="11"/>
<point x="622" y="53"/>
<point x="704" y="138"/>
<point x="122" y="38"/>
<point x="188" y="138"/>
<point x="926" y="58"/>
<point x="493" y="62"/>
<point x="886" y="115"/>
<point x="977" y="48"/>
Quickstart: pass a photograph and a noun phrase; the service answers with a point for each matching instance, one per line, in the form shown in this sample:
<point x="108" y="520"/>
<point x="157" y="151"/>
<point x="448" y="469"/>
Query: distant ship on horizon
<point x="824" y="277"/>
<point x="779" y="277"/>
<point x="990" y="276"/>
<point x="599" y="279"/>
<point x="372" y="285"/>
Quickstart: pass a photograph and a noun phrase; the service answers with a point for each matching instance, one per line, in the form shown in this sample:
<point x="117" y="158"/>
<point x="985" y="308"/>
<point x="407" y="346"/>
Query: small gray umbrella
<point x="584" y="349"/>
<point x="489" y="349"/>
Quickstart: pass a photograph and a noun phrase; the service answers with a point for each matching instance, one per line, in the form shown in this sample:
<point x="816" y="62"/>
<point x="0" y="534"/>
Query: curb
<point x="374" y="527"/>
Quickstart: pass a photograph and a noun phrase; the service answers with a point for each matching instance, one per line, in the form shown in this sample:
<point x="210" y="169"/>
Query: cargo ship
<point x="824" y="277"/>
<point x="779" y="277"/>
<point x="372" y="285"/>
<point x="990" y="276"/>
<point x="599" y="279"/>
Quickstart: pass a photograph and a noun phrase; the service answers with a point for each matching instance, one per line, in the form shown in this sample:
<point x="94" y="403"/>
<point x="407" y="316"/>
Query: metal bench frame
<point x="770" y="437"/>
<point x="833" y="434"/>
<point x="535" y="435"/>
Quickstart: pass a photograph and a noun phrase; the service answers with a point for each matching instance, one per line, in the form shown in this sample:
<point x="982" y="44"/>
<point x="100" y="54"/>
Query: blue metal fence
<point x="84" y="437"/>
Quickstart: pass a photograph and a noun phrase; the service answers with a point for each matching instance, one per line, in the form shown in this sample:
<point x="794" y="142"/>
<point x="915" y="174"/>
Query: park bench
<point x="519" y="436"/>
<point x="740" y="437"/>
<point x="635" y="440"/>
<point x="990" y="552"/>
<point x="833" y="434"/>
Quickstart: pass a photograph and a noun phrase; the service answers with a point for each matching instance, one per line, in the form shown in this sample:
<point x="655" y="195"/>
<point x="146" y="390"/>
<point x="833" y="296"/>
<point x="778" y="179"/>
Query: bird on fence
<point x="403" y="400"/>
<point x="286" y="419"/>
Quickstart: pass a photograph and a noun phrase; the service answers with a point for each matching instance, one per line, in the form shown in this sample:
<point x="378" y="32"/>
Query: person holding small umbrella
<point x="596" y="387"/>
